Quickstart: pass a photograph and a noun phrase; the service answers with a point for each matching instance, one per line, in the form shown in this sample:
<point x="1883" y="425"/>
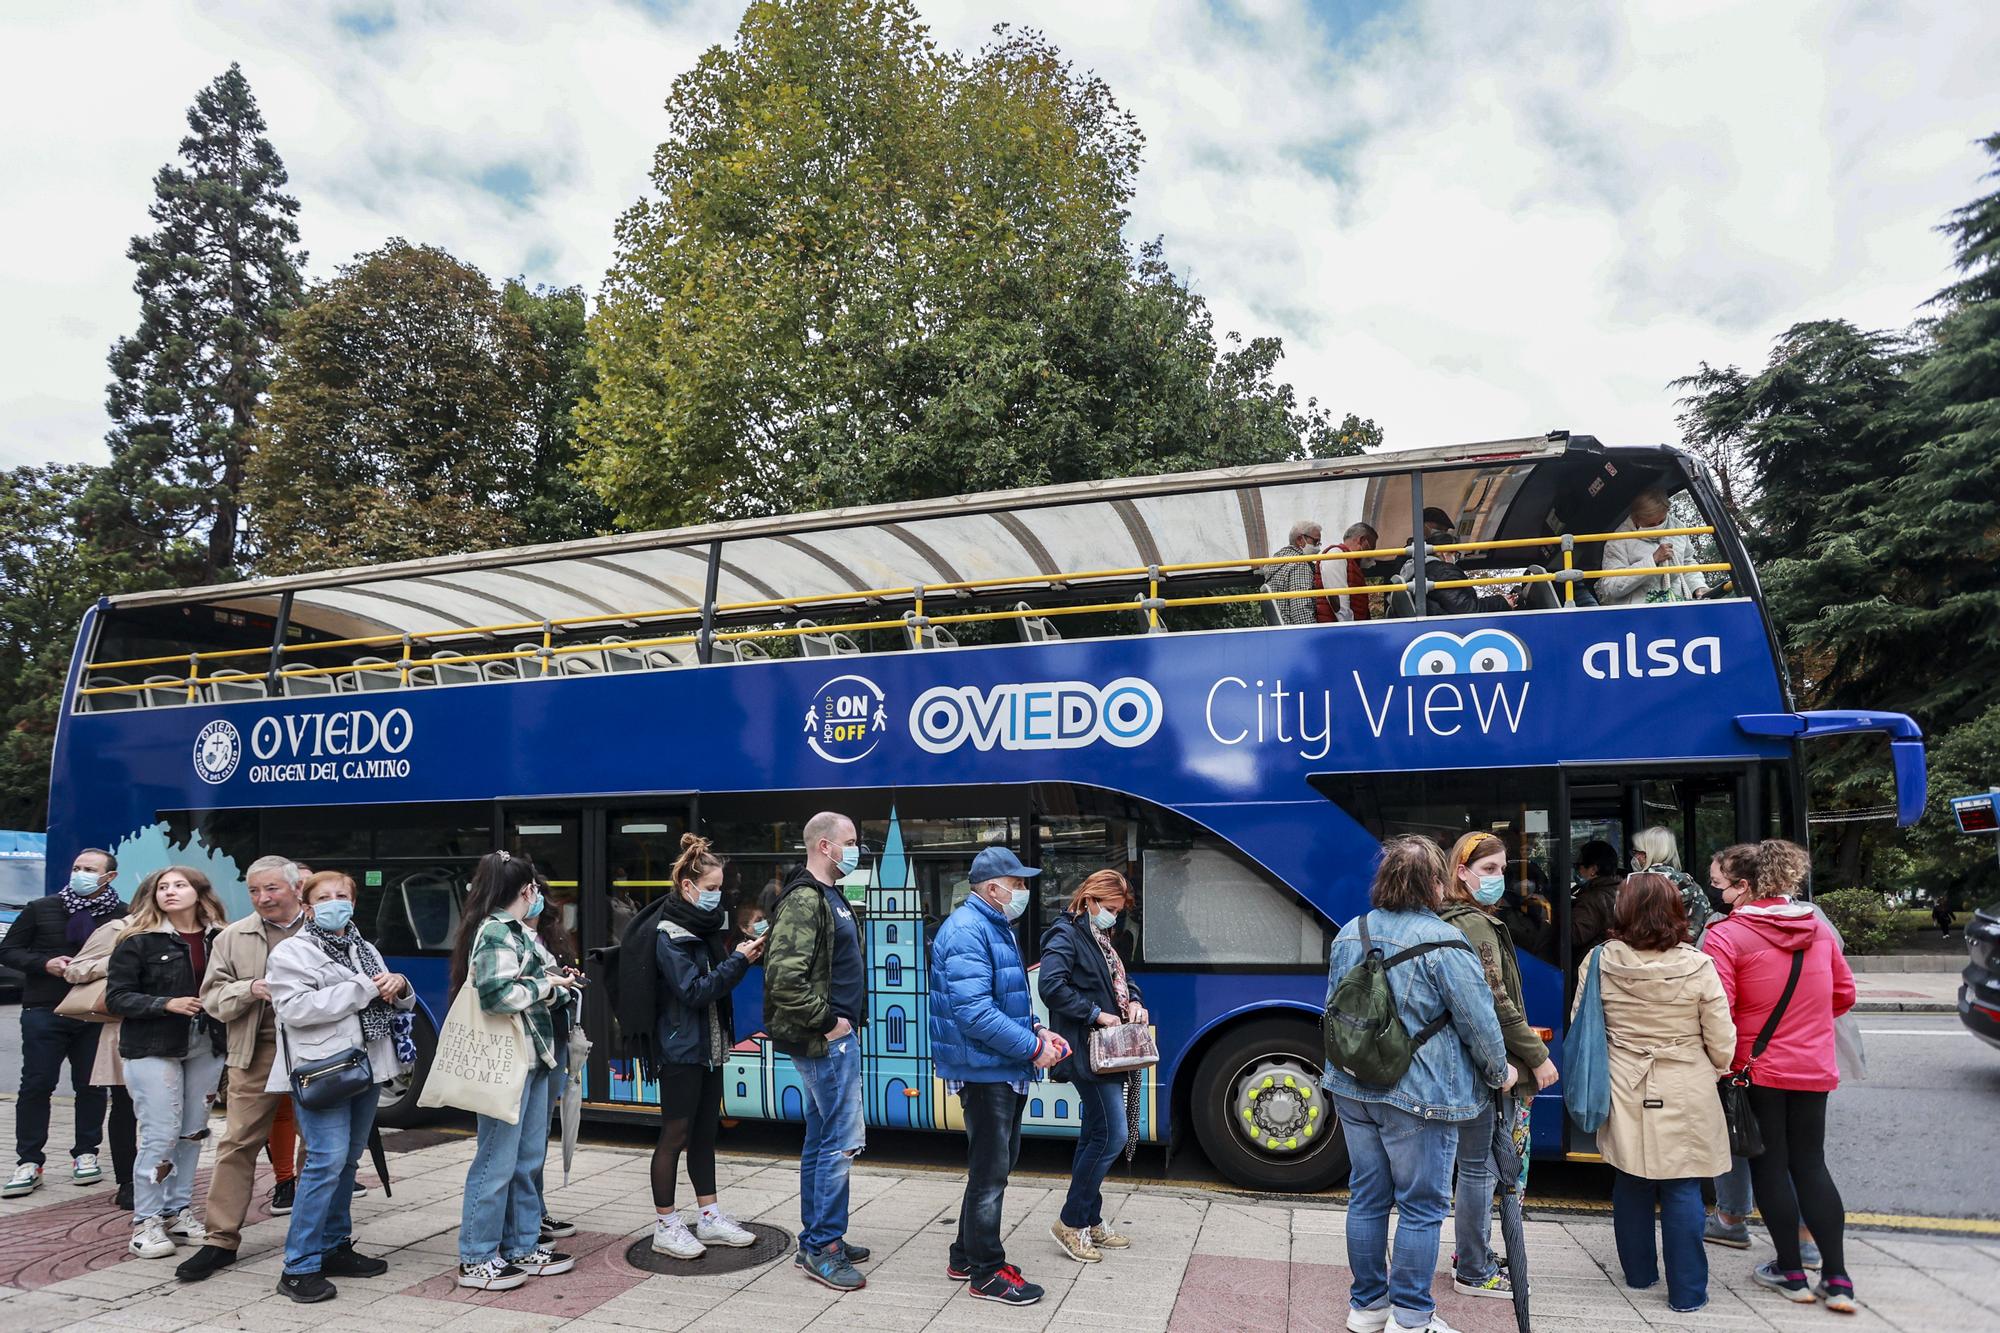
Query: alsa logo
<point x="1619" y="660"/>
<point x="1044" y="715"/>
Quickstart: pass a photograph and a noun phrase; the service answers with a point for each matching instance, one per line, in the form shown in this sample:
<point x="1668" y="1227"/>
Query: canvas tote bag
<point x="482" y="1061"/>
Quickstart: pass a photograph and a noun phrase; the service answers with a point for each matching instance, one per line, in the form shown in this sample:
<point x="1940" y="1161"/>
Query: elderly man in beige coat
<point x="1670" y="1037"/>
<point x="236" y="993"/>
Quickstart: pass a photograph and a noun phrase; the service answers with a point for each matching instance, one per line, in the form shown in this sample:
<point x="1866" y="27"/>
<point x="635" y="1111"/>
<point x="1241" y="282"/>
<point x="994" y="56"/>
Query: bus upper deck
<point x="1128" y="556"/>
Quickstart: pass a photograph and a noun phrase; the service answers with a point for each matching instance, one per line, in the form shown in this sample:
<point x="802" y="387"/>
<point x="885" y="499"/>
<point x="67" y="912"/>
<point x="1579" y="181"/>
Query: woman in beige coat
<point x="108" y="1071"/>
<point x="1667" y="1023"/>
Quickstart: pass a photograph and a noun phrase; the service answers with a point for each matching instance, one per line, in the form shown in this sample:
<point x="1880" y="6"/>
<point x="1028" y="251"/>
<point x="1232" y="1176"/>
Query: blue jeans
<point x="1680" y="1236"/>
<point x="170" y="1097"/>
<point x="1472" y="1206"/>
<point x="835" y="1132"/>
<point x="1732" y="1189"/>
<point x="1101" y="1137"/>
<point x="558" y="1081"/>
<point x="502" y="1216"/>
<point x="322" y="1212"/>
<point x="48" y="1042"/>
<point x="1402" y="1159"/>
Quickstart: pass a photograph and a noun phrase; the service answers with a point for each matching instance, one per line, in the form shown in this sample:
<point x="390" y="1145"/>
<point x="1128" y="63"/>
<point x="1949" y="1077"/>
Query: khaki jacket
<point x="91" y="962"/>
<point x="1670" y="1035"/>
<point x="238" y="959"/>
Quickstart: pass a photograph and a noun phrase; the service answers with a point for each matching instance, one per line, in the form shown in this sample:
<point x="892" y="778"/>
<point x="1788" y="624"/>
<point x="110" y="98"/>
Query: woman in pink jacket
<point x="1754" y="948"/>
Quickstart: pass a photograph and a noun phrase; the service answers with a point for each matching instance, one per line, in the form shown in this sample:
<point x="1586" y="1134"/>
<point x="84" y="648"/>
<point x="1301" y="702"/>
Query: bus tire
<point x="1290" y="1142"/>
<point x="398" y="1107"/>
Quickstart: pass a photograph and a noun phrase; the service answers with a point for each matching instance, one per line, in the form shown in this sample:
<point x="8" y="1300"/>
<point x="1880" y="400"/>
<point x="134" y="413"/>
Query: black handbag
<point x="331" y="1080"/>
<point x="1745" y="1138"/>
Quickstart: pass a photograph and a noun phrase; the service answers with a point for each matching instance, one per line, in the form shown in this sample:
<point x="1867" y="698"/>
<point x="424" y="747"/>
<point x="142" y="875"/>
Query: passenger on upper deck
<point x="1442" y="567"/>
<point x="1354" y="606"/>
<point x="1297" y="576"/>
<point x="1649" y="510"/>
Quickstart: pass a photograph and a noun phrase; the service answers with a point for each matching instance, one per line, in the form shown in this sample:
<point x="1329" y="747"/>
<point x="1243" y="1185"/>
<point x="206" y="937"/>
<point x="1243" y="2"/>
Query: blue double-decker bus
<point x="1112" y="674"/>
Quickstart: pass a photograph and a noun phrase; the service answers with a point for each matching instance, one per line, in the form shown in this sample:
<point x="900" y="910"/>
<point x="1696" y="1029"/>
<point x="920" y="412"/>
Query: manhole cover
<point x="772" y="1243"/>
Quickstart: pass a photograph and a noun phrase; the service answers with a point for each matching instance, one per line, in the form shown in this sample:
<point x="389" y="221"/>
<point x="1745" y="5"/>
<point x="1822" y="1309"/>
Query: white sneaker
<point x="722" y="1229"/>
<point x="185" y="1223"/>
<point x="490" y="1276"/>
<point x="672" y="1238"/>
<point x="27" y="1178"/>
<point x="86" y="1171"/>
<point x="1437" y="1325"/>
<point x="1367" y="1321"/>
<point x="150" y="1240"/>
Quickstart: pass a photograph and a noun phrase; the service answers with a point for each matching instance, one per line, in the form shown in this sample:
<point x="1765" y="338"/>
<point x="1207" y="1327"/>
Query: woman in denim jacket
<point x="1402" y="1139"/>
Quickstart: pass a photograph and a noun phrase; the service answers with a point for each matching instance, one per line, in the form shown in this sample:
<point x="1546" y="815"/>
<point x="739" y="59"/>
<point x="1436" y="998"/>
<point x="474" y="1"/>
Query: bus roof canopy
<point x="838" y="555"/>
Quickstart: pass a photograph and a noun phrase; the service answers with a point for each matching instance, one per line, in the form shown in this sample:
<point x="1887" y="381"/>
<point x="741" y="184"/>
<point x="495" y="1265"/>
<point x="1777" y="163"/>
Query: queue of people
<point x="302" y="1011"/>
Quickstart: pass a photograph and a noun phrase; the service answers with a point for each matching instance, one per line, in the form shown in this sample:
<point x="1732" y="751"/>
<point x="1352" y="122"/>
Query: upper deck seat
<point x="444" y="671"/>
<point x="110" y="703"/>
<point x="825" y="643"/>
<point x="621" y="659"/>
<point x="225" y="686"/>
<point x="165" y="692"/>
<point x="377" y="679"/>
<point x="303" y="685"/>
<point x="1036" y="629"/>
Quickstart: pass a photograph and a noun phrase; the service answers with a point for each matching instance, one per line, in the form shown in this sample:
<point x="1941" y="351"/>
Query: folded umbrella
<point x="572" y="1096"/>
<point x="1507" y="1176"/>
<point x="381" y="1157"/>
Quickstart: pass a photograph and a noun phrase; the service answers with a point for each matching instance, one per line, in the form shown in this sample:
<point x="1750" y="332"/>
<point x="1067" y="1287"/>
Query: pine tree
<point x="214" y="282"/>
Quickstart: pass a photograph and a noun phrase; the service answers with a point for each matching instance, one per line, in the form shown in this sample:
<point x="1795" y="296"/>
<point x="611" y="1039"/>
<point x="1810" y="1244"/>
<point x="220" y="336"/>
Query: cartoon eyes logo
<point x="1481" y="653"/>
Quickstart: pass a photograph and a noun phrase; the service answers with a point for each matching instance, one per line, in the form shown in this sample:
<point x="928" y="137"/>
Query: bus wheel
<point x="398" y="1107"/>
<point x="1260" y="1113"/>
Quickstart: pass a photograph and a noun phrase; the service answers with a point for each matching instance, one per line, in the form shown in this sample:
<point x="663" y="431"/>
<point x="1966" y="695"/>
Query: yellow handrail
<point x="1149" y="606"/>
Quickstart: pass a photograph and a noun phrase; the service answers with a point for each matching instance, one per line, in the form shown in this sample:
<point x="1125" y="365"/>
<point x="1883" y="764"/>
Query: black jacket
<point x="691" y="984"/>
<point x="1450" y="601"/>
<point x="37" y="935"/>
<point x="147" y="970"/>
<point x="1075" y="979"/>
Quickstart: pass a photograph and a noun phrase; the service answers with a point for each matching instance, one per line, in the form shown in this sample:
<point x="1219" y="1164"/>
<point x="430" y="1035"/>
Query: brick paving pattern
<point x="1201" y="1261"/>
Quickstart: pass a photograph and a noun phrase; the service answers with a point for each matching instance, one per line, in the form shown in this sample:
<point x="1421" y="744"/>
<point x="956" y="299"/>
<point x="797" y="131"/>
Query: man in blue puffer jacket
<point x="986" y="1046"/>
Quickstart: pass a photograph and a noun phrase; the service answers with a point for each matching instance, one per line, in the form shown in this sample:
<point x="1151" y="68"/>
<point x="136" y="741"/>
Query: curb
<point x="1905" y="1007"/>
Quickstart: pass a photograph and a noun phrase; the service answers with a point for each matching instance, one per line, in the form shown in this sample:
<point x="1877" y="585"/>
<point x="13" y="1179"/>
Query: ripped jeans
<point x="170" y="1099"/>
<point x="835" y="1132"/>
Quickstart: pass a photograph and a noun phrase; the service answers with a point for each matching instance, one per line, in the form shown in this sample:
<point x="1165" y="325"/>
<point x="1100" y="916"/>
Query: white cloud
<point x="1465" y="220"/>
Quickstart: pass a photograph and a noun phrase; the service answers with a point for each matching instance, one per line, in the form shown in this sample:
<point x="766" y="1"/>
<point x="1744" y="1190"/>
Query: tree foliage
<point x="556" y="505"/>
<point x="873" y="270"/>
<point x="404" y="419"/>
<point x="214" y="282"/>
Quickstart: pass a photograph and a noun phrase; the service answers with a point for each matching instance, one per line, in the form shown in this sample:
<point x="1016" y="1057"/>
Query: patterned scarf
<point x="353" y="953"/>
<point x="85" y="915"/>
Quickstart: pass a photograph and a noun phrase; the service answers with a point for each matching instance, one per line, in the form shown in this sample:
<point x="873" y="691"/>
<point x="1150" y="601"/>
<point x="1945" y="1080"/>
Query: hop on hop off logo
<point x="846" y="719"/>
<point x="217" y="750"/>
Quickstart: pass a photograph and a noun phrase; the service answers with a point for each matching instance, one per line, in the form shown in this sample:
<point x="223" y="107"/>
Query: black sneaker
<point x="359" y="1189"/>
<point x="205" y="1262"/>
<point x="1008" y="1287"/>
<point x="282" y="1196"/>
<point x="956" y="1274"/>
<point x="306" y="1288"/>
<point x="856" y="1254"/>
<point x="343" y="1260"/>
<point x="122" y="1201"/>
<point x="555" y="1230"/>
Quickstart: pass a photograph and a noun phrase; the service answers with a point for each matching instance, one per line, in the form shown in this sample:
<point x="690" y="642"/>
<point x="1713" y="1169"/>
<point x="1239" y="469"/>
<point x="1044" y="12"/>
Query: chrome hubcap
<point x="1277" y="1106"/>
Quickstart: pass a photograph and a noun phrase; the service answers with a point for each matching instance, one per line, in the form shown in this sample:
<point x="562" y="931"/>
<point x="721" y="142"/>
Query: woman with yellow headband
<point x="1471" y="900"/>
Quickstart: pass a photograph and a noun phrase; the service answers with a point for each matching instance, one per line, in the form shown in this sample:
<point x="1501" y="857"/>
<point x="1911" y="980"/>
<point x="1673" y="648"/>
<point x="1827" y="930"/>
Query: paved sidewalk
<point x="1907" y="992"/>
<point x="1201" y="1261"/>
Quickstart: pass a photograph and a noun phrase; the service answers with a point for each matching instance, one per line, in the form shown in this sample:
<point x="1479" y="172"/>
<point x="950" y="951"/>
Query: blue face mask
<point x="1491" y="889"/>
<point x="759" y="928"/>
<point x="333" y="914"/>
<point x="850" y="859"/>
<point x="1017" y="905"/>
<point x="708" y="900"/>
<point x="82" y="883"/>
<point x="535" y="907"/>
<point x="1103" y="918"/>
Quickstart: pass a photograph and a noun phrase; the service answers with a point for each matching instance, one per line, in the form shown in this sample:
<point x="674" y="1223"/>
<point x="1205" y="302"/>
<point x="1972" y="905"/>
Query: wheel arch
<point x="1188" y="1061"/>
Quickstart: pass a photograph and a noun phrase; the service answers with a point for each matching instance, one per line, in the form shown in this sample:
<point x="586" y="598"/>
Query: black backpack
<point x="1365" y="1038"/>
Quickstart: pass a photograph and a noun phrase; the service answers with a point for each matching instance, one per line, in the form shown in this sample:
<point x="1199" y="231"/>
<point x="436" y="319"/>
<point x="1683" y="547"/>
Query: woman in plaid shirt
<point x="499" y="1235"/>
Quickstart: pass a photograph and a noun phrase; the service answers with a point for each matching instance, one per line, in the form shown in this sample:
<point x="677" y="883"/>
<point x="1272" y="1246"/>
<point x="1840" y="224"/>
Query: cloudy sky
<point x="1467" y="220"/>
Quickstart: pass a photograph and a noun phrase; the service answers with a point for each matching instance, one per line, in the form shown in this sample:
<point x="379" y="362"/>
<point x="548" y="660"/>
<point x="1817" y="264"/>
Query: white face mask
<point x="1104" y="918"/>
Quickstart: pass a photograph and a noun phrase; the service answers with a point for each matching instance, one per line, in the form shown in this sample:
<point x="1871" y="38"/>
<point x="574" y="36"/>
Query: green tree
<point x="48" y="577"/>
<point x="557" y="506"/>
<point x="214" y="281"/>
<point x="402" y="421"/>
<point x="873" y="270"/>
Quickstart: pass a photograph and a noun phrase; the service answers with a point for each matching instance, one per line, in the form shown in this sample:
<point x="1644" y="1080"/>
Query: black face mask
<point x="1715" y="901"/>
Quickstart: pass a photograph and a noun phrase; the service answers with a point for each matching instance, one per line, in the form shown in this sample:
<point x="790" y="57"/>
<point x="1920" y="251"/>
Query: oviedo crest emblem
<point x="217" y="750"/>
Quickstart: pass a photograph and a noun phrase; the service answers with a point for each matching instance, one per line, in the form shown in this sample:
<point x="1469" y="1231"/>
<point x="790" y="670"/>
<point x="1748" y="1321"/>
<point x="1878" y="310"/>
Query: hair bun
<point x="693" y="842"/>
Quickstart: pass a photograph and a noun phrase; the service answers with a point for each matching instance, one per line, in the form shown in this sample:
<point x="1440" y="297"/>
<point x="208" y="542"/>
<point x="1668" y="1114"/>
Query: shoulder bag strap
<point x="1778" y="1012"/>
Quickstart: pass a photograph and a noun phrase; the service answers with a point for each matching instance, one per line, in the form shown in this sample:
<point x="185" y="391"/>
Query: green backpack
<point x="1365" y="1038"/>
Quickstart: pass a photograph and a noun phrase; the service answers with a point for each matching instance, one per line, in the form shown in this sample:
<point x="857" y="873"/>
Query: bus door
<point x="605" y="863"/>
<point x="1706" y="807"/>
